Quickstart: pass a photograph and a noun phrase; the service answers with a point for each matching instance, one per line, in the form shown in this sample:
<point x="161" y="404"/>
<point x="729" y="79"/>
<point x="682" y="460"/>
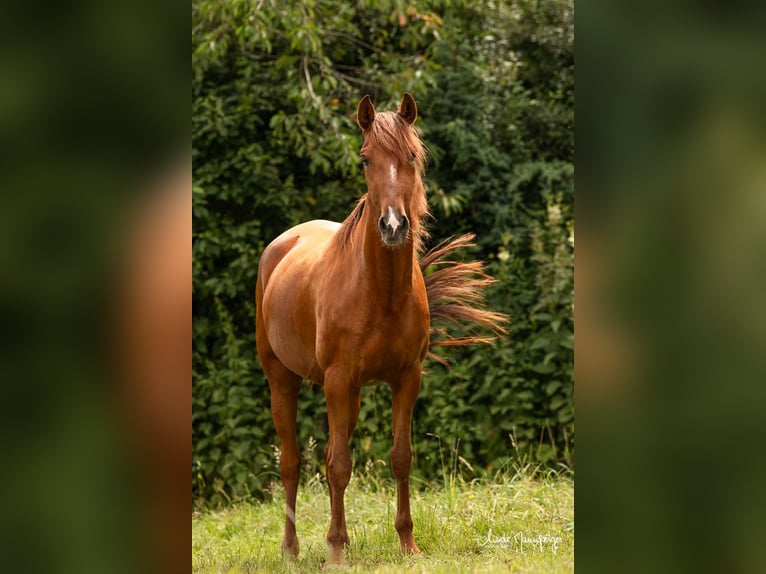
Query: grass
<point x="515" y="524"/>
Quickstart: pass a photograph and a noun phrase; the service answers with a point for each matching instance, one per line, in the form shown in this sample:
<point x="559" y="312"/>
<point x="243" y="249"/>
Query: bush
<point x="274" y="94"/>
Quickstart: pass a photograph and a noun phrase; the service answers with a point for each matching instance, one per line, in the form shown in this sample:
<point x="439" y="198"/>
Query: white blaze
<point x="392" y="221"/>
<point x="392" y="172"/>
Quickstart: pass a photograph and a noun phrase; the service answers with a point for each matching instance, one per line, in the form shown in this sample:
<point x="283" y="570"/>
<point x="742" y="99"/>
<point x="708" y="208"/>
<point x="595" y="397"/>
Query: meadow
<point x="518" y="523"/>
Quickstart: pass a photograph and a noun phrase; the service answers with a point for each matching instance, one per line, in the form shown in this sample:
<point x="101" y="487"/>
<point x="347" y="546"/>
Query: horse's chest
<point x="397" y="334"/>
<point x="379" y="343"/>
<point x="392" y="346"/>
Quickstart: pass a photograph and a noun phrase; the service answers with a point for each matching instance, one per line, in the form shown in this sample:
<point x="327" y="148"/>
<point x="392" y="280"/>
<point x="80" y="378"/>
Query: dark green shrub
<point x="274" y="92"/>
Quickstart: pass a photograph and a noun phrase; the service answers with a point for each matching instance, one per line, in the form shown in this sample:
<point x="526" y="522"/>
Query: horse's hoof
<point x="410" y="548"/>
<point x="332" y="565"/>
<point x="290" y="550"/>
<point x="335" y="559"/>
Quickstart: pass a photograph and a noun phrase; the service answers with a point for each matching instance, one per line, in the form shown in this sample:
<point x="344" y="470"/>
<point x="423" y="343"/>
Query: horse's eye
<point x="365" y="161"/>
<point x="412" y="157"/>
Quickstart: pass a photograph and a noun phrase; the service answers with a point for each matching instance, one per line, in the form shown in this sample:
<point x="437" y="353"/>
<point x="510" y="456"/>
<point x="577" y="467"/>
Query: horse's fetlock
<point x="403" y="525"/>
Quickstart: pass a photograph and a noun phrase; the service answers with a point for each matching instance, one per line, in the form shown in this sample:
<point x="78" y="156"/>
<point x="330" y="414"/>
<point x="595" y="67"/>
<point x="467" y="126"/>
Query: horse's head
<point x="393" y="158"/>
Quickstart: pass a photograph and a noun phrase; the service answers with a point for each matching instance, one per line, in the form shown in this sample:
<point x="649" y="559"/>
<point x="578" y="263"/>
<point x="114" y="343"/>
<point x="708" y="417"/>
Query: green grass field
<point x="518" y="524"/>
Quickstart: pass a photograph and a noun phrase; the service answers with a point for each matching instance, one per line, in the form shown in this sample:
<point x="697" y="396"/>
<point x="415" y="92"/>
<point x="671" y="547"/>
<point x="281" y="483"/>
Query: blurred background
<point x="275" y="89"/>
<point x="671" y="313"/>
<point x="94" y="196"/>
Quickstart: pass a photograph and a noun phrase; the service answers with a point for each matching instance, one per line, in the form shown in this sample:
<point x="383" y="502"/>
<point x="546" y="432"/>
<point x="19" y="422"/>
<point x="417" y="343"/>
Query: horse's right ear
<point x="365" y="113"/>
<point x="408" y="109"/>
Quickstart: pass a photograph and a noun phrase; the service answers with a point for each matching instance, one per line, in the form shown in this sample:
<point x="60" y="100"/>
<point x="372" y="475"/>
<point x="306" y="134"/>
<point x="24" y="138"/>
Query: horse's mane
<point x="393" y="133"/>
<point x="343" y="235"/>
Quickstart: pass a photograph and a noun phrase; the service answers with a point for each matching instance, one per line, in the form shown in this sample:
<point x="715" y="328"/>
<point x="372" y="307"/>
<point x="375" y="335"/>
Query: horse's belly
<point x="291" y="337"/>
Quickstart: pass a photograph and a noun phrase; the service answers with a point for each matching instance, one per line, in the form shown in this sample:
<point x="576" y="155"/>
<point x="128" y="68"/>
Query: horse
<point x="346" y="305"/>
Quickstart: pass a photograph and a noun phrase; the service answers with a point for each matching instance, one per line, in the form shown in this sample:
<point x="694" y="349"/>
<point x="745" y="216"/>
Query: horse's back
<point x="285" y="274"/>
<point x="309" y="236"/>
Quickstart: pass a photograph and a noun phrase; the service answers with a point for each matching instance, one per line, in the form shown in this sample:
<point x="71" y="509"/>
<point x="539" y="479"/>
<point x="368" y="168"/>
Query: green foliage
<point x="274" y="93"/>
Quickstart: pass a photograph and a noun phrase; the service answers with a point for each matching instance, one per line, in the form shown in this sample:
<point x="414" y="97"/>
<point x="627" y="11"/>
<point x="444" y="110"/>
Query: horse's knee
<point x="401" y="460"/>
<point x="339" y="469"/>
<point x="289" y="469"/>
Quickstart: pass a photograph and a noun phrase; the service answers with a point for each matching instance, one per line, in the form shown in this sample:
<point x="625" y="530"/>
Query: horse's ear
<point x="408" y="109"/>
<point x="365" y="113"/>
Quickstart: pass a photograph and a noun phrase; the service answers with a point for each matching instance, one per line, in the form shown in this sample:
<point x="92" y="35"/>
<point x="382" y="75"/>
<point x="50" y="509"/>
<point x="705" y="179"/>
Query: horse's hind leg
<point x="285" y="386"/>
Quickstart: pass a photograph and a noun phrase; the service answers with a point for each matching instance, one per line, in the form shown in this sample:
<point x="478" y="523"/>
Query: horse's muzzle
<point x="394" y="228"/>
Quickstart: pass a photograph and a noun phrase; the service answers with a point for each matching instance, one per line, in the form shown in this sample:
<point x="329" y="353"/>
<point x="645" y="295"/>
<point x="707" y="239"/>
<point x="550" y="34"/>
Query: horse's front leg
<point x="404" y="394"/>
<point x="342" y="395"/>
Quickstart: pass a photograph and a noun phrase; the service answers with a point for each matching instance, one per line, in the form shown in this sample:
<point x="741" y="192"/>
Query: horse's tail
<point x="455" y="297"/>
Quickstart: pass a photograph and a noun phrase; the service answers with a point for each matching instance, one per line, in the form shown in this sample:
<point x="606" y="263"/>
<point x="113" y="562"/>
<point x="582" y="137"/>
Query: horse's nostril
<point x="394" y="227"/>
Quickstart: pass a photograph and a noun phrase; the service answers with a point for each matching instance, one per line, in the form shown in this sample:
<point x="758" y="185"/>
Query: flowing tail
<point x="455" y="297"/>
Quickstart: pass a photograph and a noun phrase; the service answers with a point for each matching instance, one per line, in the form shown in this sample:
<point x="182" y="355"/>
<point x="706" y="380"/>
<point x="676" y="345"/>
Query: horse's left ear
<point x="408" y="109"/>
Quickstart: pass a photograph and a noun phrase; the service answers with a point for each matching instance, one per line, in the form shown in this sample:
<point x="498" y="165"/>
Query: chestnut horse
<point x="346" y="305"/>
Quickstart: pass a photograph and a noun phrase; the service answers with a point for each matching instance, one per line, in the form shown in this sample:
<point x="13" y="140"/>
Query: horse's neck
<point x="388" y="272"/>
